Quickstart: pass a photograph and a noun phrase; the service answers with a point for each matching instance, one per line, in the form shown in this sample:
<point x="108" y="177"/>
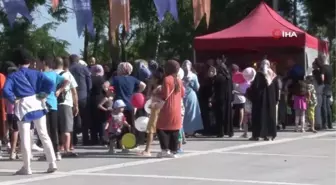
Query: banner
<point x="120" y="13"/>
<point x="163" y="6"/>
<point x="84" y="18"/>
<point x="14" y="7"/>
<point x="55" y="4"/>
<point x="201" y="8"/>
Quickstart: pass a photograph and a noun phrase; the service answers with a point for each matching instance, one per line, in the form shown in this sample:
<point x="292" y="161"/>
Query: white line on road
<point x="188" y="178"/>
<point x="150" y="161"/>
<point x="279" y="155"/>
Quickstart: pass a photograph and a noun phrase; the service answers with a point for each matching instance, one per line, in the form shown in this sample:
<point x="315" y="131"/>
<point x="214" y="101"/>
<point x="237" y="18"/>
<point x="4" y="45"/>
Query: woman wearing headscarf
<point x="170" y="117"/>
<point x="204" y="94"/>
<point x="192" y="121"/>
<point x="222" y="98"/>
<point x="96" y="96"/>
<point x="125" y="86"/>
<point x="264" y="94"/>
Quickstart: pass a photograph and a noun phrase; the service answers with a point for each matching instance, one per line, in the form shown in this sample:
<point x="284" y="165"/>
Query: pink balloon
<point x="138" y="100"/>
<point x="238" y="78"/>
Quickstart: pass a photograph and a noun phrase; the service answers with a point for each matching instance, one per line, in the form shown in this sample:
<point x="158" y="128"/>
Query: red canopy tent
<point x="257" y="30"/>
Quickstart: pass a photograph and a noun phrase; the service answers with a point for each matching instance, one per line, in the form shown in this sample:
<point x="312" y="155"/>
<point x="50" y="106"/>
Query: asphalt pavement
<point x="291" y="159"/>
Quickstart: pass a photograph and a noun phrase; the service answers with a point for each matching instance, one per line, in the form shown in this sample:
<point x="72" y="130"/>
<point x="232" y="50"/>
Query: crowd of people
<point x="62" y="97"/>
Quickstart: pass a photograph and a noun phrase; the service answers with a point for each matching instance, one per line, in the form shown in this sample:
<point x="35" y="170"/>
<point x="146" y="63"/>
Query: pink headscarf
<point x="97" y="70"/>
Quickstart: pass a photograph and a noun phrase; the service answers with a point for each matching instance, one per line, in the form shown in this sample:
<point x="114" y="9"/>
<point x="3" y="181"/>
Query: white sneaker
<point x="165" y="154"/>
<point x="13" y="156"/>
<point x="58" y="156"/>
<point x="37" y="148"/>
<point x="52" y="168"/>
<point x="111" y="151"/>
<point x="24" y="171"/>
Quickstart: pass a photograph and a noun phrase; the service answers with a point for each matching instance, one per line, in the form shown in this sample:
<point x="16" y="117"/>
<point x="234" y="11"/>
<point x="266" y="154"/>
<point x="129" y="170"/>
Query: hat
<point x="119" y="104"/>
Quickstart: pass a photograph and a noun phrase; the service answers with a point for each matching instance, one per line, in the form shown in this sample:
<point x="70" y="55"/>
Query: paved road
<point x="292" y="159"/>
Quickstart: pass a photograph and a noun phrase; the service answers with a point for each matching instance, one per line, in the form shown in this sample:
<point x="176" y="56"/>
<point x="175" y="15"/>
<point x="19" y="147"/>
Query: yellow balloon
<point x="128" y="141"/>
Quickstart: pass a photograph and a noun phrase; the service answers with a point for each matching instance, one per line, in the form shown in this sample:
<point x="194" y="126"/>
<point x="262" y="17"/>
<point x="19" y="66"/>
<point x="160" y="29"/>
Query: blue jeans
<point x="326" y="107"/>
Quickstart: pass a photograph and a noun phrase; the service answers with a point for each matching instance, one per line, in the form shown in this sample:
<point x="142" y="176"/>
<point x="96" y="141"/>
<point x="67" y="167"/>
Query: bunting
<point x="55" y="4"/>
<point x="84" y="18"/>
<point x="163" y="6"/>
<point x="201" y="8"/>
<point x="120" y="12"/>
<point x="14" y="7"/>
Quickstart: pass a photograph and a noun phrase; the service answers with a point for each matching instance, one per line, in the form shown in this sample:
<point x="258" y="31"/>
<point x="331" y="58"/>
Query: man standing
<point x="60" y="84"/>
<point x="27" y="89"/>
<point x="67" y="105"/>
<point x="92" y="62"/>
<point x="83" y="78"/>
<point x="326" y="76"/>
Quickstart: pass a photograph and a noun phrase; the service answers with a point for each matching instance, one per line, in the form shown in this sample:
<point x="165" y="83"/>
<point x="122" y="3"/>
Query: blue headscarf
<point x="142" y="73"/>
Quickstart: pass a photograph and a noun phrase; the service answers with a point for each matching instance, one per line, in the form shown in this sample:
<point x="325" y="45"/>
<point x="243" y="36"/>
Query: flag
<point x="163" y="6"/>
<point x="120" y="13"/>
<point x="54" y="4"/>
<point x="14" y="7"/>
<point x="201" y="8"/>
<point x="84" y="18"/>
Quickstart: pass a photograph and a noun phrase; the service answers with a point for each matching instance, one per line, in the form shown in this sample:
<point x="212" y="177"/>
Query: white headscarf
<point x="265" y="68"/>
<point x="187" y="66"/>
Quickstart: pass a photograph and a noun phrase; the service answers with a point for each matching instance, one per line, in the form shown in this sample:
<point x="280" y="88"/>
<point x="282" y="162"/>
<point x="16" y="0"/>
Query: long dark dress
<point x="222" y="98"/>
<point x="98" y="116"/>
<point x="264" y="99"/>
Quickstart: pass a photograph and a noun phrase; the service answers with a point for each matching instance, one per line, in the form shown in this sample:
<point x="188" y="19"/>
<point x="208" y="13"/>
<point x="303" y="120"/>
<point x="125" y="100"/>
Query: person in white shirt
<point x="67" y="105"/>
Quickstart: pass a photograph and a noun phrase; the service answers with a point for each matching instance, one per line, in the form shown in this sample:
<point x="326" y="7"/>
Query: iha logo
<point x="277" y="34"/>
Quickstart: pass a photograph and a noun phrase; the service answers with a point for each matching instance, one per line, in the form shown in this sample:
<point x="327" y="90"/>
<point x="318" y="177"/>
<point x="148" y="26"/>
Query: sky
<point x="66" y="30"/>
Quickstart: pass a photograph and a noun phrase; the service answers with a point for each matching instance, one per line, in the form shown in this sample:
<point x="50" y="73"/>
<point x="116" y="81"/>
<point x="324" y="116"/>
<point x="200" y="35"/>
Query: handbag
<point x="160" y="104"/>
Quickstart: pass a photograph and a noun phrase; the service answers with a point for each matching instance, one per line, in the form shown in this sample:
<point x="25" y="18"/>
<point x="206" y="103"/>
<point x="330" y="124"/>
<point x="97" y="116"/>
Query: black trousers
<point x="168" y="139"/>
<point x="52" y="126"/>
<point x="84" y="120"/>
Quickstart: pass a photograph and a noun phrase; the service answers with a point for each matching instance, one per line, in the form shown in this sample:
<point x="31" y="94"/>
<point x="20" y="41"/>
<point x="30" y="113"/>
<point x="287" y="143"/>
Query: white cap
<point x="119" y="104"/>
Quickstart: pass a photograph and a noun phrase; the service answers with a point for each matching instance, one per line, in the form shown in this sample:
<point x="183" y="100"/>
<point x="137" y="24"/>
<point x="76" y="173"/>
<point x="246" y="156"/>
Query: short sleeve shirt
<point x="72" y="84"/>
<point x="124" y="87"/>
<point x="57" y="79"/>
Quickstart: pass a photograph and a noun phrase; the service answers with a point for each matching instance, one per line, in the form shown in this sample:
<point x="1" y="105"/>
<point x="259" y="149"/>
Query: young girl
<point x="107" y="103"/>
<point x="312" y="102"/>
<point x="115" y="125"/>
<point x="156" y="83"/>
<point x="181" y="137"/>
<point x="300" y="104"/>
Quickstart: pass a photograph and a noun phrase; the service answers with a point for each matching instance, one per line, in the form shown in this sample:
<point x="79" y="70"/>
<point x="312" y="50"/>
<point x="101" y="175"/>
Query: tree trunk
<point x="96" y="41"/>
<point x="113" y="39"/>
<point x="123" y="45"/>
<point x="295" y="12"/>
<point x="86" y="45"/>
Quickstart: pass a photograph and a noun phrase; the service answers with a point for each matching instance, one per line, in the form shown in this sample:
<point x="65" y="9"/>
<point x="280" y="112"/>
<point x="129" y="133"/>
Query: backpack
<point x="61" y="97"/>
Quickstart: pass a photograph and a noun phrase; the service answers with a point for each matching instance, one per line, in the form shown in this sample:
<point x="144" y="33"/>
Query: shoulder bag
<point x="160" y="104"/>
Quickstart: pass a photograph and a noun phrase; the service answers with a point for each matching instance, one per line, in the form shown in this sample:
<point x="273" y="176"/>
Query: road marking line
<point x="188" y="178"/>
<point x="329" y="139"/>
<point x="150" y="161"/>
<point x="280" y="155"/>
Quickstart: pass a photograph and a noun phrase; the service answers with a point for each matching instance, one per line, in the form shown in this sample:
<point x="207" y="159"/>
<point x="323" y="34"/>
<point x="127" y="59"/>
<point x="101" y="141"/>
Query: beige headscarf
<point x="265" y="68"/>
<point x="124" y="68"/>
